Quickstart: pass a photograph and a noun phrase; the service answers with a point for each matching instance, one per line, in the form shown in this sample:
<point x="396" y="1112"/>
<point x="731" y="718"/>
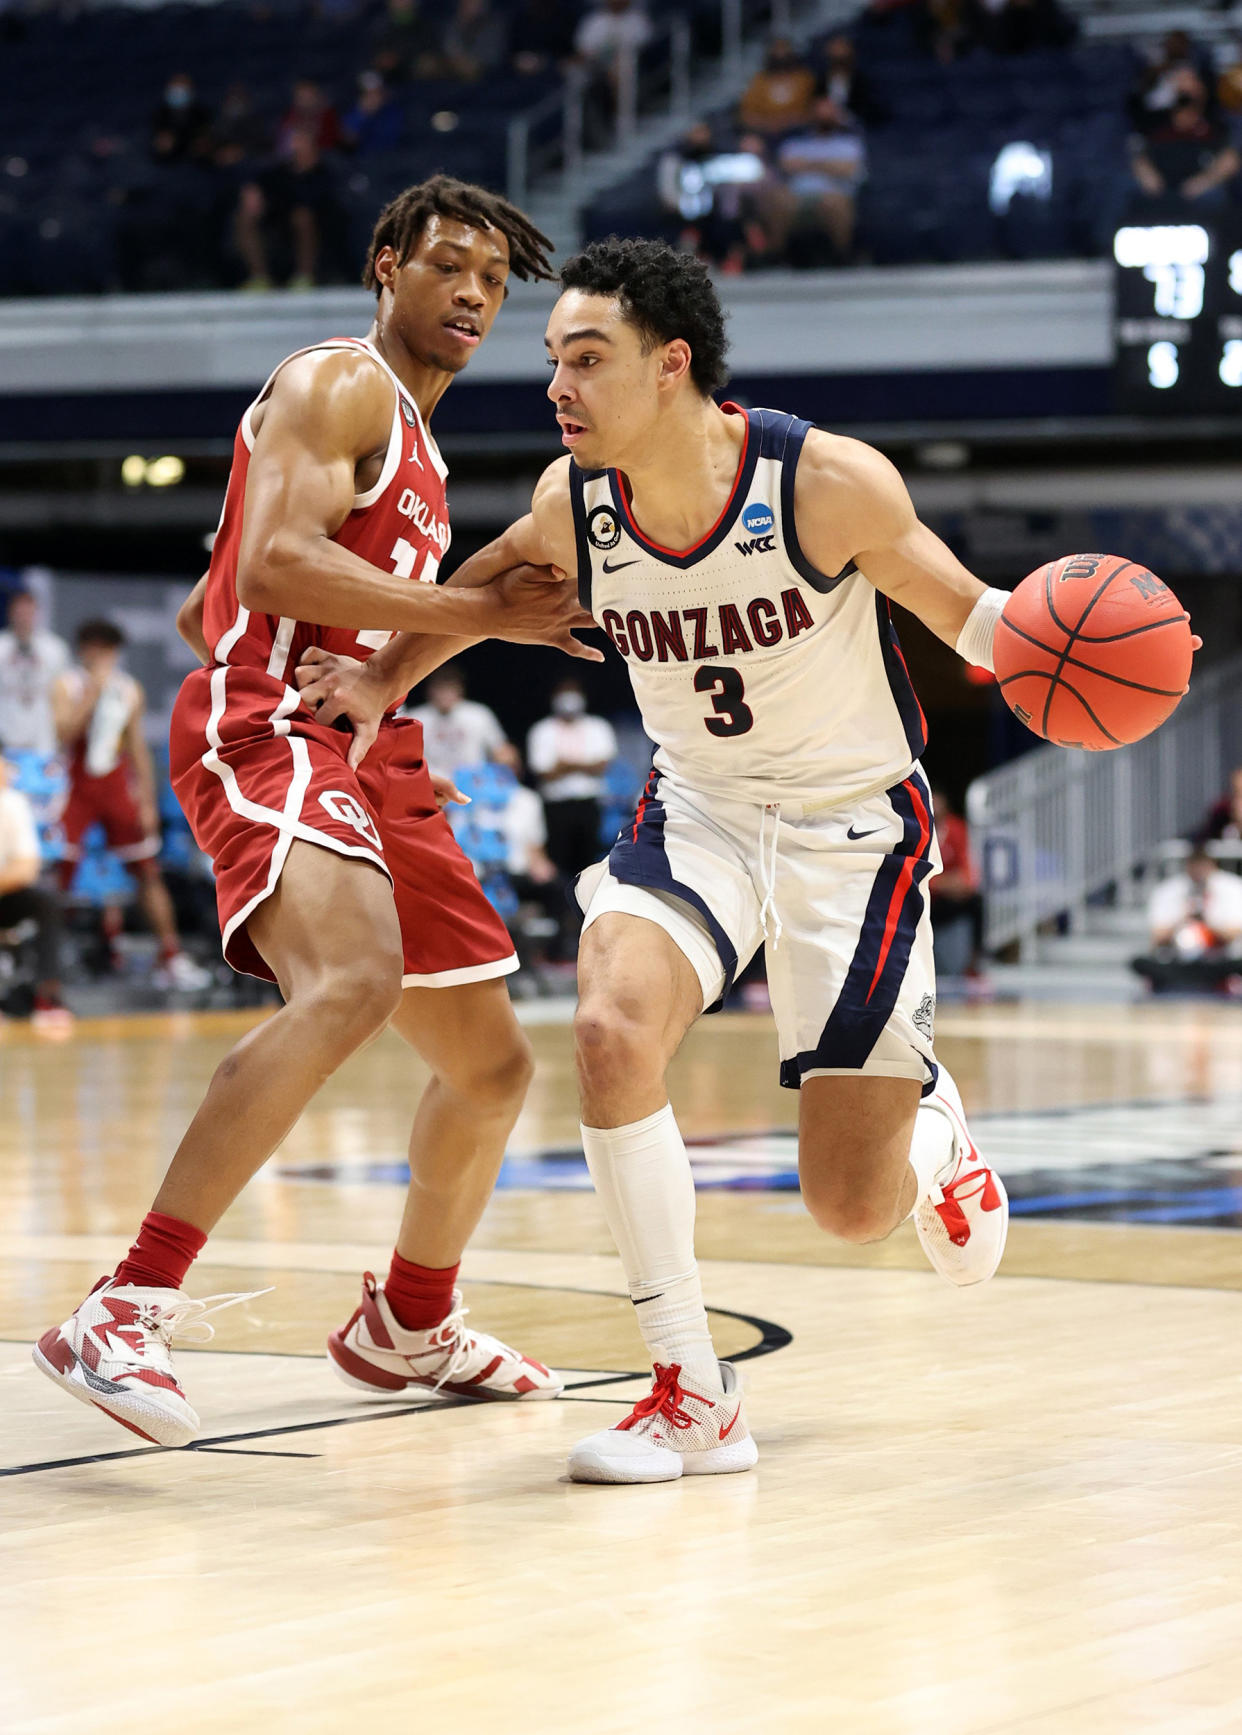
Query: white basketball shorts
<point x="835" y="893"/>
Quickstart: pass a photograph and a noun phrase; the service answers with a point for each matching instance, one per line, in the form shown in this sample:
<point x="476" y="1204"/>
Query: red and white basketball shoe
<point x="674" y="1431"/>
<point x="114" y="1351"/>
<point x="376" y="1355"/>
<point x="963" y="1220"/>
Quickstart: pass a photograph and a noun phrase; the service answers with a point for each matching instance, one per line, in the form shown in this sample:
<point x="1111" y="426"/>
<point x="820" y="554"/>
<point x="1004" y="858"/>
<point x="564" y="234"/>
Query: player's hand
<point x="446" y="792"/>
<point x="339" y="688"/>
<point x="534" y="605"/>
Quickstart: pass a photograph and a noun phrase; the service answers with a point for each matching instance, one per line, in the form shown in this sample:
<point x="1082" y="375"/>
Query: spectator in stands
<point x="181" y="125"/>
<point x="290" y="206"/>
<point x="239" y="134"/>
<point x="22" y="900"/>
<point x="1188" y="158"/>
<point x="615" y="28"/>
<point x="543" y="35"/>
<point x="458" y="732"/>
<point x="569" y="752"/>
<point x="536" y="883"/>
<point x="376" y="122"/>
<point x="956" y="901"/>
<point x="1160" y="83"/>
<point x="840" y="79"/>
<point x="309" y="115"/>
<point x="31" y="662"/>
<point x="699" y="186"/>
<point x="1225" y="819"/>
<point x="475" y="41"/>
<point x="1195" y="926"/>
<point x="400" y="41"/>
<point x="824" y="168"/>
<point x="779" y="96"/>
<point x="1020" y="26"/>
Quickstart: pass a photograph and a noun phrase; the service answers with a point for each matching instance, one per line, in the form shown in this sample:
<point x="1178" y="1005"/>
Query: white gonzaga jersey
<point x="758" y="678"/>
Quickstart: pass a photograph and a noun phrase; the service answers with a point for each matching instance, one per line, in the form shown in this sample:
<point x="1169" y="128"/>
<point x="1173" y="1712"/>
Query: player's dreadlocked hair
<point x="664" y="293"/>
<point x="404" y="218"/>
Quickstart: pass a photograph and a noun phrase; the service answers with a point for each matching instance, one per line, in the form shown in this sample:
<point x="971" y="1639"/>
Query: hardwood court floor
<point x="1016" y="1509"/>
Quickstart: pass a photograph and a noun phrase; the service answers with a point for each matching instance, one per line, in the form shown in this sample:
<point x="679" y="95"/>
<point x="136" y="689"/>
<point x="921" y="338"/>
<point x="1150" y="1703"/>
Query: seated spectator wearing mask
<point x="31" y="662"/>
<point x="457" y="732"/>
<point x="1195" y="925"/>
<point x="181" y="125"/>
<point x="569" y="753"/>
<point x="22" y="900"/>
<point x="1188" y="158"/>
<point x="823" y="169"/>
<point x="779" y="96"/>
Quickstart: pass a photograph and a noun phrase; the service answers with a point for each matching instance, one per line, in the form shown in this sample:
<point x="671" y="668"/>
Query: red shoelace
<point x="665" y="1399"/>
<point x="951" y="1213"/>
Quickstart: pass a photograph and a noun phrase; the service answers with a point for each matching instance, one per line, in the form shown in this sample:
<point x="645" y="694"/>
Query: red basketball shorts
<point x="253" y="771"/>
<point x="107" y="801"/>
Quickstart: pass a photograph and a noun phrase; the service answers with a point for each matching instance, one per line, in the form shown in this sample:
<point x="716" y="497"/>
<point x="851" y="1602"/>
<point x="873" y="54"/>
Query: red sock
<point x="419" y="1295"/>
<point x="163" y="1253"/>
<point x="169" y="950"/>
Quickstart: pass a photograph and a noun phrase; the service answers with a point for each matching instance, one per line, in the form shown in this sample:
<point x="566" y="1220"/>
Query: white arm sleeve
<point x="974" y="642"/>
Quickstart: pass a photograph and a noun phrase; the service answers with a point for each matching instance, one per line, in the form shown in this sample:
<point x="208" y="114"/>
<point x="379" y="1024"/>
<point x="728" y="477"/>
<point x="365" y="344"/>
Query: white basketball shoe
<point x="374" y="1354"/>
<point x="114" y="1351"/>
<point x="674" y="1431"/>
<point x="963" y="1220"/>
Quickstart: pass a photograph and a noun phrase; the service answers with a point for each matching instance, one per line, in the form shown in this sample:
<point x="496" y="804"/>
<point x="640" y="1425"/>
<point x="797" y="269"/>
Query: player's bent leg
<point x="329" y="932"/>
<point x="873" y="1151"/>
<point x="410" y="1330"/>
<point x="638" y="995"/>
<point x="854" y="1136"/>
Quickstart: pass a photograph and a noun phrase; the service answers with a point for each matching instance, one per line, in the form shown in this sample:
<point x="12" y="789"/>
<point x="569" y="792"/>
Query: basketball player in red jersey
<point x="98" y="710"/>
<point x="341" y="881"/>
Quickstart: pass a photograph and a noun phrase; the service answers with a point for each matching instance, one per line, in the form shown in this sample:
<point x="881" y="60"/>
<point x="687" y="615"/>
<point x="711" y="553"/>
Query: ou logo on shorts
<point x="350" y="811"/>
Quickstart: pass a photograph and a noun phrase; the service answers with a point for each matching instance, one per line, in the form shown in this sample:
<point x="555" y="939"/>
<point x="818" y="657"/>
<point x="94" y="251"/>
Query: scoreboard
<point x="1178" y="318"/>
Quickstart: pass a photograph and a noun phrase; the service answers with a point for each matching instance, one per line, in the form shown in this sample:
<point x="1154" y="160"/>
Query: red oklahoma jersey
<point x="254" y="771"/>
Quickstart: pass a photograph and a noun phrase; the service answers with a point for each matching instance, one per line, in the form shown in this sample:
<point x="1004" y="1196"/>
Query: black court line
<point x="772" y="1337"/>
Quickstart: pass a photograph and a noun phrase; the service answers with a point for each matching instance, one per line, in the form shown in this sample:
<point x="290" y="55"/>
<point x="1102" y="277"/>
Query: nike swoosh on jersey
<point x="618" y="565"/>
<point x="857" y="834"/>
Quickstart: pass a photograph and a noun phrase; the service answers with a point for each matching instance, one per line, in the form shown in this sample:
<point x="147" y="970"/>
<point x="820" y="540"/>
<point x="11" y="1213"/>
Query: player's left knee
<point x="847" y="1211"/>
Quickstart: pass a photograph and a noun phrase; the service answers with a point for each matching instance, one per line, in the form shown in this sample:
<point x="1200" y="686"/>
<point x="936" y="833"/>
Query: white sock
<point x="642" y="1176"/>
<point x="933" y="1147"/>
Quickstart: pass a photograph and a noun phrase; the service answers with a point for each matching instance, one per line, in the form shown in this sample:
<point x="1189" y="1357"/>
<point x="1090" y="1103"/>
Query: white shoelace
<point x="187" y="1320"/>
<point x="460" y="1357"/>
<point x="767" y="872"/>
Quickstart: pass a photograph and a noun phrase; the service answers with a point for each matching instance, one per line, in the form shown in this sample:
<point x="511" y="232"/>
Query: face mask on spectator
<point x="177" y="96"/>
<point x="568" y="704"/>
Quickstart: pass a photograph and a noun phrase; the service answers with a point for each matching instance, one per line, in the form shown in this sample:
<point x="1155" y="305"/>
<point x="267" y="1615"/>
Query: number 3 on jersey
<point x="733" y="716"/>
<point x="403" y="556"/>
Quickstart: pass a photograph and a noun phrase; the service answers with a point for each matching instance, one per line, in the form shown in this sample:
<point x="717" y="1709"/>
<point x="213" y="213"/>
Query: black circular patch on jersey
<point x="603" y="531"/>
<point x="408" y="412"/>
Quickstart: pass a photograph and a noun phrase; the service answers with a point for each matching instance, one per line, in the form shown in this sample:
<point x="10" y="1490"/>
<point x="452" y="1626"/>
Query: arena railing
<point x="1057" y="828"/>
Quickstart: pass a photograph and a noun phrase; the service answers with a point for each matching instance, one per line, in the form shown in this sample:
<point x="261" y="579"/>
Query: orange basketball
<point x="1093" y="651"/>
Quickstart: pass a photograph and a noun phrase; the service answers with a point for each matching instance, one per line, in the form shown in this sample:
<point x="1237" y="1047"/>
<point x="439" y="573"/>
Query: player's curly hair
<point x="666" y="294"/>
<point x="404" y="218"/>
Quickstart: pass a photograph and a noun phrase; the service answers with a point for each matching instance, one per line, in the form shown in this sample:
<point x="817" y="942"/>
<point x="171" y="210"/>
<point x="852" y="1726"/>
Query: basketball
<point x="1093" y="651"/>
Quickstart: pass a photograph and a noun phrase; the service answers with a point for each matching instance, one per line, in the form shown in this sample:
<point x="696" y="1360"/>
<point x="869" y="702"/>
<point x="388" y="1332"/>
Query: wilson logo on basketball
<point x="349" y="811"/>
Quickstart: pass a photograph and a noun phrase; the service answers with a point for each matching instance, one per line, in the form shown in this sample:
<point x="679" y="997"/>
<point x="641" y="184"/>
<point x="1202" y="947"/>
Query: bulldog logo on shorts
<point x="350" y="811"/>
<point x="923" y="1017"/>
<point x="603" y="531"/>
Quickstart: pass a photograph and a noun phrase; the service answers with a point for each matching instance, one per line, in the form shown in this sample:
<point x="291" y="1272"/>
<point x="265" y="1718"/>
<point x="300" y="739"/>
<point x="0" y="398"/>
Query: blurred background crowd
<point x="251" y="142"/>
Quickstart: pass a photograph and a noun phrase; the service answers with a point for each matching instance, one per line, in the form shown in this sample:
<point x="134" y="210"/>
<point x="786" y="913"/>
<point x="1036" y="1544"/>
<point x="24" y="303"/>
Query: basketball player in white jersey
<point x="742" y="563"/>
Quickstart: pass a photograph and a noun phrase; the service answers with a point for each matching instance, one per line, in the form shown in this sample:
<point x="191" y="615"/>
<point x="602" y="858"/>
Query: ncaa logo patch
<point x="603" y="531"/>
<point x="758" y="518"/>
<point x="349" y="811"/>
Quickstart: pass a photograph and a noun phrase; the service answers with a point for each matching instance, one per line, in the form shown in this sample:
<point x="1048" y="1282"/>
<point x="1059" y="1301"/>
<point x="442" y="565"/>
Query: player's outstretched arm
<point x="327" y="413"/>
<point x="852" y="505"/>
